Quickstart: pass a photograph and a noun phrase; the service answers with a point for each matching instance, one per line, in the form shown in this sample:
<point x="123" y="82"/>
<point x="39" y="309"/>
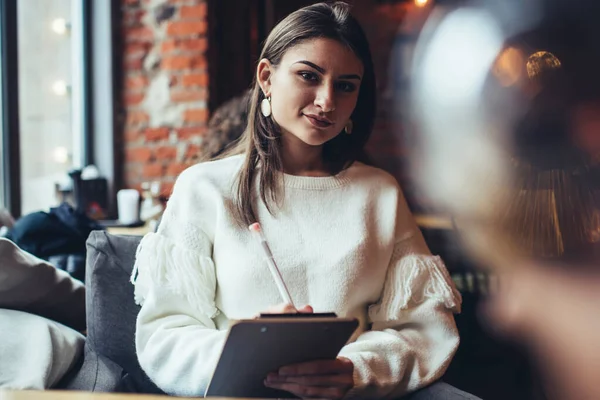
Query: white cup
<point x="128" y="204"/>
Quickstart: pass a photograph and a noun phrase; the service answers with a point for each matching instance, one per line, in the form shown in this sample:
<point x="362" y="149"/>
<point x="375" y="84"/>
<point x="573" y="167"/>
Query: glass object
<point x="507" y="119"/>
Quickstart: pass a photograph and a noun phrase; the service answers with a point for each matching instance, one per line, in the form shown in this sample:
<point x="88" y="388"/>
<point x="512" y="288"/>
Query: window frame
<point x="9" y="87"/>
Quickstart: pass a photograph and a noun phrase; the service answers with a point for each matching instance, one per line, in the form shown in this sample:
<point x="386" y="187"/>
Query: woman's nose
<point x="325" y="98"/>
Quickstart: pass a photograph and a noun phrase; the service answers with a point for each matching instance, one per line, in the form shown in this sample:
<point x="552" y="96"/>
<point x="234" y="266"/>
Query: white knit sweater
<point x="346" y="243"/>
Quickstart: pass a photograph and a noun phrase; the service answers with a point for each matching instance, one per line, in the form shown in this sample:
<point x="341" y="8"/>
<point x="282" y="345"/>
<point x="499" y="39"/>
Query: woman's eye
<point x="347" y="87"/>
<point x="309" y="76"/>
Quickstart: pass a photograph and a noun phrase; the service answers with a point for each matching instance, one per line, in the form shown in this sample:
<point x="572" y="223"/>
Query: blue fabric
<point x="61" y="231"/>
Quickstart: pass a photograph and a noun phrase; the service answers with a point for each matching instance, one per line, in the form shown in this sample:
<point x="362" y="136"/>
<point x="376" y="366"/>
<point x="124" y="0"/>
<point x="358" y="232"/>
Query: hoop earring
<point x="348" y="128"/>
<point x="265" y="106"/>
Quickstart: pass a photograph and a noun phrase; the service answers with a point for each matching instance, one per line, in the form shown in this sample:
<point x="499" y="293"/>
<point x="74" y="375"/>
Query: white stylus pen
<point x="283" y="291"/>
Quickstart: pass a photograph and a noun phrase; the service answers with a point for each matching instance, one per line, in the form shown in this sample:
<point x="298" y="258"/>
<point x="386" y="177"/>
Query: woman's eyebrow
<point x="322" y="70"/>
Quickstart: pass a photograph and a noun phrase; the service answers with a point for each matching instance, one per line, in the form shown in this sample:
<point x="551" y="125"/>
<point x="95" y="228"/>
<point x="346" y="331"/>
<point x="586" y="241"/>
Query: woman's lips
<point x="318" y="122"/>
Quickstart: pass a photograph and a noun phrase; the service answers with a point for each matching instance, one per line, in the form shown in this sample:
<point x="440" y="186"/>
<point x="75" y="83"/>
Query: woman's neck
<point x="301" y="159"/>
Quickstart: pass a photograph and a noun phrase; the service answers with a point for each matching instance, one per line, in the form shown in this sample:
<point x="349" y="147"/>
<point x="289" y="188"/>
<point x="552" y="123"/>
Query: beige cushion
<point x="30" y="284"/>
<point x="36" y="352"/>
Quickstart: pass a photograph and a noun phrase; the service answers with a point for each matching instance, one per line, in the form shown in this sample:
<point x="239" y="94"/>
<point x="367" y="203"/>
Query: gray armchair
<point x="110" y="363"/>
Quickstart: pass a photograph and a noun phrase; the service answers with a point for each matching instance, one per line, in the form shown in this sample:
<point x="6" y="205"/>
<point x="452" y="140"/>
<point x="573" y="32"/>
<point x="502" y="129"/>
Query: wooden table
<point x="137" y="231"/>
<point x="72" y="395"/>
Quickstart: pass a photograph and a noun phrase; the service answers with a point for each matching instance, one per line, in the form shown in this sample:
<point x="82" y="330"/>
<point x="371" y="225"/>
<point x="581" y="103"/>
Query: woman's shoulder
<point x="208" y="179"/>
<point x="372" y="176"/>
<point x="219" y="171"/>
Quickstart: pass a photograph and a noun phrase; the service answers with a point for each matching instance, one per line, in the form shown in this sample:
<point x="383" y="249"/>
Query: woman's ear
<point x="264" y="72"/>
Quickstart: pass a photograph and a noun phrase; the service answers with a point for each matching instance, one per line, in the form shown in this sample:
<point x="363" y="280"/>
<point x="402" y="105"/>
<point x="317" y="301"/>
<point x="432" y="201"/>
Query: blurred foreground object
<point x="504" y="106"/>
<point x="505" y="102"/>
<point x="556" y="311"/>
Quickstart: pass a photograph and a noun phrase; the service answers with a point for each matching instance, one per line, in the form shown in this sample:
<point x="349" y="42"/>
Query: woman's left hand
<point x="326" y="379"/>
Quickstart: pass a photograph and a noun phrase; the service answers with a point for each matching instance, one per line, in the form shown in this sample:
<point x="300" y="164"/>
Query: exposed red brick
<point x="139" y="154"/>
<point x="183" y="62"/>
<point x="155" y="134"/>
<point x="174" y="80"/>
<point x="185" y="96"/>
<point x="197" y="11"/>
<point x="148" y="153"/>
<point x="136" y="117"/>
<point x="136" y="50"/>
<point x="133" y="175"/>
<point x="168" y="46"/>
<point x="187" y="28"/>
<point x="153" y="170"/>
<point x="134" y="64"/>
<point x="196" y="115"/>
<point x="200" y="79"/>
<point x="199" y="45"/>
<point x="138" y="34"/>
<point x="190" y="132"/>
<point x="132" y="135"/>
<point x="174" y="169"/>
<point x="133" y="18"/>
<point x="136" y="82"/>
<point x="166" y="153"/>
<point x="133" y="99"/>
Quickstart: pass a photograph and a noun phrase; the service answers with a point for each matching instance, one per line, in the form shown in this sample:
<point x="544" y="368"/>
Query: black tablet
<point x="254" y="348"/>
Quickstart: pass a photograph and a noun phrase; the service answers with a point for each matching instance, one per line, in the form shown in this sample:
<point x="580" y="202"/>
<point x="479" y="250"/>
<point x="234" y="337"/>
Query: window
<point x="46" y="133"/>
<point x="50" y="98"/>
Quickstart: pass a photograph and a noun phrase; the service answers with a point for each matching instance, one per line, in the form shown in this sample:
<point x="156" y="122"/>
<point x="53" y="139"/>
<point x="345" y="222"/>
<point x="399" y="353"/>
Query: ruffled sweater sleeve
<point x="413" y="336"/>
<point x="176" y="339"/>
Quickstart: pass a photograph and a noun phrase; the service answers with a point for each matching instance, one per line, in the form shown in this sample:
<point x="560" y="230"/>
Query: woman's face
<point x="313" y="90"/>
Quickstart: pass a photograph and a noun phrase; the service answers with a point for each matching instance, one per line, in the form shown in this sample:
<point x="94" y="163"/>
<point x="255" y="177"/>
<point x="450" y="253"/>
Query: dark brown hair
<point x="261" y="141"/>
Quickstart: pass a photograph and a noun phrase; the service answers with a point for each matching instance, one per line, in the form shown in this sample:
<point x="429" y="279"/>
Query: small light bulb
<point x="421" y="3"/>
<point x="60" y="26"/>
<point x="60" y="155"/>
<point x="60" y="88"/>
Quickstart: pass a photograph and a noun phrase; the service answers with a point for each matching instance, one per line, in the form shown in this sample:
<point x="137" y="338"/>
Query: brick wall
<point x="165" y="90"/>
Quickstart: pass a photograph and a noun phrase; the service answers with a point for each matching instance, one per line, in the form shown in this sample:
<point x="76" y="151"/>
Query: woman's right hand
<point x="288" y="309"/>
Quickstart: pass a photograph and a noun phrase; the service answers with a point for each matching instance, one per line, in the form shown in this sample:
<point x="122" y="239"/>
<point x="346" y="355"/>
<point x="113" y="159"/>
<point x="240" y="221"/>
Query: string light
<point x="60" y="155"/>
<point x="60" y="88"/>
<point x="60" y="26"/>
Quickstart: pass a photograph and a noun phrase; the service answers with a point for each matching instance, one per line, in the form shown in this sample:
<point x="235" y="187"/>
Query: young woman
<point x="340" y="230"/>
